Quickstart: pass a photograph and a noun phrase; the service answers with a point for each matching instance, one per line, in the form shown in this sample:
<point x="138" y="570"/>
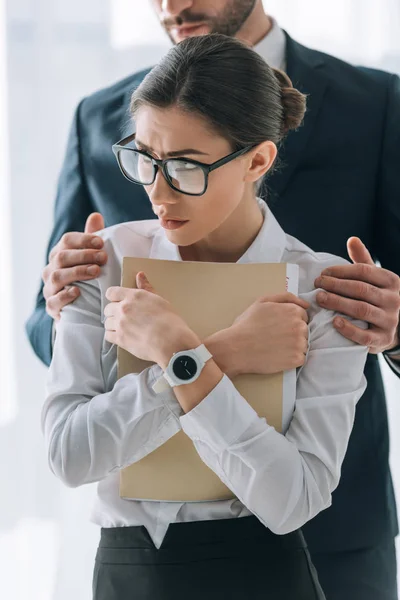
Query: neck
<point x="231" y="240"/>
<point x="256" y="27"/>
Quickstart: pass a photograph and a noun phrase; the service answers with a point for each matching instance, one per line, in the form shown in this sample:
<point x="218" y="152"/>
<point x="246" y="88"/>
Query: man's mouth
<point x="181" y="32"/>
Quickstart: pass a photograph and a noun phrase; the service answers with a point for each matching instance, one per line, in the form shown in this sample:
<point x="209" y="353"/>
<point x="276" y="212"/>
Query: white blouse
<point x="95" y="425"/>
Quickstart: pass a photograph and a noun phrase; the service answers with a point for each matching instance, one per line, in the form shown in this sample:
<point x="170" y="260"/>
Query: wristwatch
<point x="183" y="368"/>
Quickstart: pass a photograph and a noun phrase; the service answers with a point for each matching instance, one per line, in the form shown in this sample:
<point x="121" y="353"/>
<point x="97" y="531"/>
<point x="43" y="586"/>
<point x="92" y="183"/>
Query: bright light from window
<point x="30" y="551"/>
<point x="134" y="23"/>
<point x="8" y="406"/>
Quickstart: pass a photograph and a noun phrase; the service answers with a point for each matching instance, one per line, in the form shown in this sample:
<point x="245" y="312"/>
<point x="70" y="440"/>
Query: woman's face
<point x="162" y="132"/>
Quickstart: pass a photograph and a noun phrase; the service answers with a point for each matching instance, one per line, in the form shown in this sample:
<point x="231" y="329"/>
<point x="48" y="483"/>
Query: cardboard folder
<point x="209" y="296"/>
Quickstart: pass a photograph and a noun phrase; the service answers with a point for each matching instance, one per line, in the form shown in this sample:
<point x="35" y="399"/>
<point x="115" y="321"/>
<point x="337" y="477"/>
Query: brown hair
<point x="293" y="102"/>
<point x="230" y="85"/>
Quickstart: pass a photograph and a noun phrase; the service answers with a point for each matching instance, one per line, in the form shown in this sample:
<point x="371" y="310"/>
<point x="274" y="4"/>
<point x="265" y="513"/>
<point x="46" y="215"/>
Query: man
<point x="341" y="166"/>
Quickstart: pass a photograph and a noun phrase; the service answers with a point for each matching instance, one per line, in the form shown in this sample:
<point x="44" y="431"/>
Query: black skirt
<point x="238" y="559"/>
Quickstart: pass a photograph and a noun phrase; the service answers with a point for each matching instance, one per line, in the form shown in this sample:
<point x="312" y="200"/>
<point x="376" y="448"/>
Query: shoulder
<point x="134" y="238"/>
<point x="344" y="78"/>
<point x="125" y="239"/>
<point x="113" y="96"/>
<point x="310" y="263"/>
<point x="348" y="72"/>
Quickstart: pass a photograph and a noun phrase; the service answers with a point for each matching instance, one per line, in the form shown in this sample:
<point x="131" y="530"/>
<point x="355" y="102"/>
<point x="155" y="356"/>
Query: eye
<point x="144" y="159"/>
<point x="179" y="166"/>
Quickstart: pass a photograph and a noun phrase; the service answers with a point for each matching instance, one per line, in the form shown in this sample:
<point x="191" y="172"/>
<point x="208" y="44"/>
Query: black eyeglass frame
<point x="158" y="163"/>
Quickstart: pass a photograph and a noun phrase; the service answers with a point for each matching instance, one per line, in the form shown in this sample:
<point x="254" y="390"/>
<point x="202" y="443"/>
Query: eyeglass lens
<point x="184" y="176"/>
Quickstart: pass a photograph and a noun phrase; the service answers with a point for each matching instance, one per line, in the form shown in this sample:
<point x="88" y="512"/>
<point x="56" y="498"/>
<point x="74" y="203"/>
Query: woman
<point x="210" y="101"/>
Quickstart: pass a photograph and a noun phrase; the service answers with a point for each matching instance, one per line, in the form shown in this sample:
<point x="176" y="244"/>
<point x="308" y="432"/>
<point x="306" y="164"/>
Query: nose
<point x="173" y="8"/>
<point x="161" y="194"/>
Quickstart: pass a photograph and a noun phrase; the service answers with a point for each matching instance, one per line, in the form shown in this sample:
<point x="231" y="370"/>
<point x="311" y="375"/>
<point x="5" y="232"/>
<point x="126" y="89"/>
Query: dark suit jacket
<point x="339" y="177"/>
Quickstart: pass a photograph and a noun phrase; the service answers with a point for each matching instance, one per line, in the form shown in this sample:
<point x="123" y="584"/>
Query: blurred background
<point x="53" y="53"/>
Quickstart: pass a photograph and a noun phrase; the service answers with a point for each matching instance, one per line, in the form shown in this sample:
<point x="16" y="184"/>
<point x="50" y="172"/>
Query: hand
<point x="268" y="337"/>
<point x="76" y="257"/>
<point x="363" y="291"/>
<point x="145" y="324"/>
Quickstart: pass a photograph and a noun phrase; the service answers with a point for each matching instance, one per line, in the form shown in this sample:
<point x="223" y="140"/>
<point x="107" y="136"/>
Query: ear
<point x="261" y="159"/>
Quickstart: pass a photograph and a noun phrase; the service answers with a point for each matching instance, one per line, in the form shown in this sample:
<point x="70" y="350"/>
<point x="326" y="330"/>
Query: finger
<point x="116" y="293"/>
<point x="364" y="337"/>
<point x="352" y="308"/>
<point x="56" y="303"/>
<point x="94" y="222"/>
<point x="75" y="240"/>
<point x="143" y="283"/>
<point x="60" y="278"/>
<point x="110" y="324"/>
<point x="71" y="258"/>
<point x="369" y="273"/>
<point x="111" y="336"/>
<point x="304" y="316"/>
<point x="359" y="290"/>
<point x="111" y="309"/>
<point x="358" y="252"/>
<point x="304" y="348"/>
<point x="286" y="297"/>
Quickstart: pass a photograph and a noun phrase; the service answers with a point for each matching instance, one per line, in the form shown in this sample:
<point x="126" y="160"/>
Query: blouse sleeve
<point x="91" y="432"/>
<point x="285" y="480"/>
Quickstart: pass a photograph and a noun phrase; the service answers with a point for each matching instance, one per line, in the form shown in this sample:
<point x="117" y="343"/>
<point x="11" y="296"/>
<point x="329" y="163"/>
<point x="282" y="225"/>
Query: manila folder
<point x="209" y="297"/>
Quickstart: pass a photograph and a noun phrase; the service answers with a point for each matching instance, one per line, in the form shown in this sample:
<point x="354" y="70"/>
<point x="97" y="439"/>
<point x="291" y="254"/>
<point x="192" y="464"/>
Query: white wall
<point x="57" y="52"/>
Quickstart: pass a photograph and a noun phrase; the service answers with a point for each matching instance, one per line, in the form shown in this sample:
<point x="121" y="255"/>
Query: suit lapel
<point x="304" y="67"/>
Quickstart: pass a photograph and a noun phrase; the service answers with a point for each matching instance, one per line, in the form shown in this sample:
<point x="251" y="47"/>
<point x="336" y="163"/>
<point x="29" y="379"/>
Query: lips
<point x="171" y="223"/>
<point x="190" y="30"/>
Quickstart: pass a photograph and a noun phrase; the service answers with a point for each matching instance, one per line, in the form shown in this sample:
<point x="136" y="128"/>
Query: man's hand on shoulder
<point x="366" y="292"/>
<point x="77" y="257"/>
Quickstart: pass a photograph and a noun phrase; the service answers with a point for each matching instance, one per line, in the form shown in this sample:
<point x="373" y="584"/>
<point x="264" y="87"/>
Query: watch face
<point x="184" y="367"/>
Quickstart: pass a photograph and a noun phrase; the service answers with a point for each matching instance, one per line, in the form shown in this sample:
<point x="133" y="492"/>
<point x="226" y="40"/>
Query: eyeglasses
<point x="183" y="175"/>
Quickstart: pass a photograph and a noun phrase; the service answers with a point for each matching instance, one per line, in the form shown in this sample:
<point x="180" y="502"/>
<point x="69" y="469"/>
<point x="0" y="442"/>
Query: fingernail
<point x="327" y="272"/>
<point x="72" y="292"/>
<point x="97" y="242"/>
<point x="92" y="270"/>
<point x="322" y="296"/>
<point x="100" y="256"/>
<point x="339" y="323"/>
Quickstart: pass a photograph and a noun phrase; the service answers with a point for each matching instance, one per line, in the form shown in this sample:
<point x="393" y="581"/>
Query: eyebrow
<point x="175" y="152"/>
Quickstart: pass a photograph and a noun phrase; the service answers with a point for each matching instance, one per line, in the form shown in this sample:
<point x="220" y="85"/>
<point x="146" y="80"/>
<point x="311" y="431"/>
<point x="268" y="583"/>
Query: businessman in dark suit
<point x="341" y="170"/>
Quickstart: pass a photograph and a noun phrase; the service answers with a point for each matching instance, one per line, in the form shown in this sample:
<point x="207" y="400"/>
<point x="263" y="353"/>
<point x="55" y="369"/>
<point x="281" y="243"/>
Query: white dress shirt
<point x="95" y="425"/>
<point x="272" y="48"/>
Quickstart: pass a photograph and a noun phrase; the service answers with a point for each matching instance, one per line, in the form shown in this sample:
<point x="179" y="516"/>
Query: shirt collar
<point x="268" y="246"/>
<point x="272" y="48"/>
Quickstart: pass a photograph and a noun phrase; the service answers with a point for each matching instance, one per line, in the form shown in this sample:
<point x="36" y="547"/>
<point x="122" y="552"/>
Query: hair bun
<point x="293" y="102"/>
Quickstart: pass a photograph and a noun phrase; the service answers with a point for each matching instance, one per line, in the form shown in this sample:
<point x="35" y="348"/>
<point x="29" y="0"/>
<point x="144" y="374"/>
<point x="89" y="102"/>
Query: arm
<point x="91" y="426"/>
<point x="364" y="290"/>
<point x="71" y="210"/>
<point x="387" y="239"/>
<point x="285" y="480"/>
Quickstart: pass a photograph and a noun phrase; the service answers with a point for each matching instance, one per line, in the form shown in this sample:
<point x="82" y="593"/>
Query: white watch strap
<point x="162" y="384"/>
<point x="203" y="353"/>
